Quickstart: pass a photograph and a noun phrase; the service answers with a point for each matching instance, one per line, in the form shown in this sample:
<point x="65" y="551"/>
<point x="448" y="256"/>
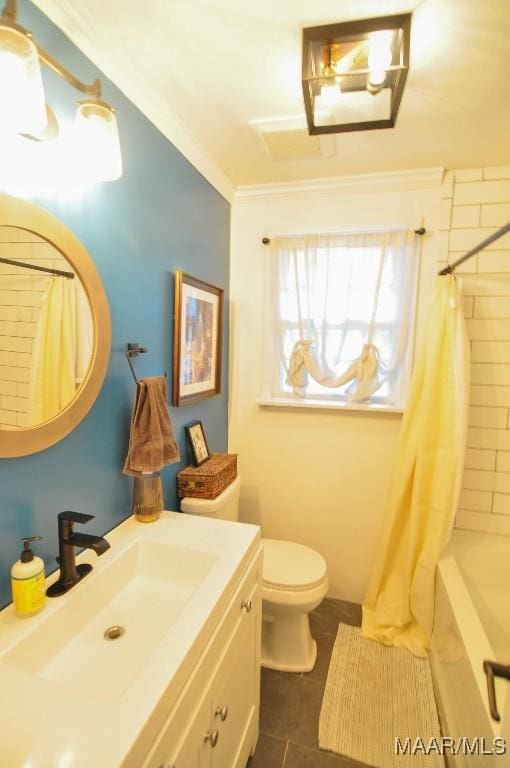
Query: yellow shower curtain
<point x="53" y="378"/>
<point x="399" y="605"/>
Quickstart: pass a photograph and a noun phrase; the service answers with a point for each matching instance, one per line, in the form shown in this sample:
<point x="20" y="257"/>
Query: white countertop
<point x="46" y="725"/>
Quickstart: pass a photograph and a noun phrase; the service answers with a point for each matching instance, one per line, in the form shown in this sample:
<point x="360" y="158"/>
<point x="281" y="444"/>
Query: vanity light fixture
<point x="353" y="73"/>
<point x="25" y="112"/>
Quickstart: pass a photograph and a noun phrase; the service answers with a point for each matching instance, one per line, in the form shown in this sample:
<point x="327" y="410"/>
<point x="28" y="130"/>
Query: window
<point x="343" y="317"/>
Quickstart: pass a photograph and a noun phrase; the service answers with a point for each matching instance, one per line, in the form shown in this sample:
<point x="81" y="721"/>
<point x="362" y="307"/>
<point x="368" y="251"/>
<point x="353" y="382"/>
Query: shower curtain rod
<point x="58" y="272"/>
<point x="449" y="270"/>
<point x="419" y="231"/>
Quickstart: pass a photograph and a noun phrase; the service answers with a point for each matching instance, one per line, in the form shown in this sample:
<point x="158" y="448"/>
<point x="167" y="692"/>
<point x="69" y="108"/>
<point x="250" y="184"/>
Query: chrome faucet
<point x="70" y="573"/>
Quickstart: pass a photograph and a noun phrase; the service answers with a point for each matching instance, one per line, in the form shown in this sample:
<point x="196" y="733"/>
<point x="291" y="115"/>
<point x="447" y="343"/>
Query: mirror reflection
<point x="46" y="331"/>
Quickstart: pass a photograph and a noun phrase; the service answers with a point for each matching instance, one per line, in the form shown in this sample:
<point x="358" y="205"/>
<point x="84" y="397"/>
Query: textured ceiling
<point x="203" y="70"/>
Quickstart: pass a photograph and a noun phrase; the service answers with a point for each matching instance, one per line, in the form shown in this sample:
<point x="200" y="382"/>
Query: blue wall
<point x="161" y="216"/>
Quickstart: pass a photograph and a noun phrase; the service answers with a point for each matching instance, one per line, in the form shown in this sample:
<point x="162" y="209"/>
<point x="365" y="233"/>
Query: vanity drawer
<point x="174" y="744"/>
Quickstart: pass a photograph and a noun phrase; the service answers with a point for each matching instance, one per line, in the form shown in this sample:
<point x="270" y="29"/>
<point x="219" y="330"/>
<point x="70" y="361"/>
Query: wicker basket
<point x="208" y="480"/>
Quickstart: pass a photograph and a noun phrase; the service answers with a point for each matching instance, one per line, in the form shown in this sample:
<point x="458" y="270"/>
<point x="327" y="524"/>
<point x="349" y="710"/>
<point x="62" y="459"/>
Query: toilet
<point x="294" y="582"/>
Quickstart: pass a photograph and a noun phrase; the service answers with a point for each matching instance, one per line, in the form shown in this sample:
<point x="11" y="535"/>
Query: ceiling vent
<point x="288" y="139"/>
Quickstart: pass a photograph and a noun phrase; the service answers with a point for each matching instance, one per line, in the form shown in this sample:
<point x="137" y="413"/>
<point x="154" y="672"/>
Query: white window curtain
<point x="344" y="313"/>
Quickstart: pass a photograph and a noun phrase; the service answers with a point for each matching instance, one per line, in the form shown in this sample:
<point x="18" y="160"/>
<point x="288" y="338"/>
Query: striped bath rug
<point x="376" y="694"/>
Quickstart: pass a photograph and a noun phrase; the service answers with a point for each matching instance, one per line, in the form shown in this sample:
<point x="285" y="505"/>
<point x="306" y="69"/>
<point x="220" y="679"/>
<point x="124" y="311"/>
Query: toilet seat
<point x="292" y="567"/>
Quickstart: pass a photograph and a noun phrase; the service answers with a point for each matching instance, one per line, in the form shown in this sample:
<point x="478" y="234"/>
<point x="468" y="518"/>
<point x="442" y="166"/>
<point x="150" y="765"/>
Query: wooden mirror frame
<point x="24" y="215"/>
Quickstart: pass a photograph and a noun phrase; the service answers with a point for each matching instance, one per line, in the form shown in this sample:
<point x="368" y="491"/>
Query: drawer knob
<point x="246" y="605"/>
<point x="212" y="737"/>
<point x="222" y="713"/>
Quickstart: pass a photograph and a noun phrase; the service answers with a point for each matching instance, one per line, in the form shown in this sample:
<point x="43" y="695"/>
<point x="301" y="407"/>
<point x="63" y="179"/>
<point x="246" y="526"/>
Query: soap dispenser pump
<point x="27" y="580"/>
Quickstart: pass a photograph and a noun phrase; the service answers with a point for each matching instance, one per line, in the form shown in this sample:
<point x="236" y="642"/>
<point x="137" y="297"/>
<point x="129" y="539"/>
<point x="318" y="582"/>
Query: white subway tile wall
<point x="21" y="295"/>
<point x="478" y="200"/>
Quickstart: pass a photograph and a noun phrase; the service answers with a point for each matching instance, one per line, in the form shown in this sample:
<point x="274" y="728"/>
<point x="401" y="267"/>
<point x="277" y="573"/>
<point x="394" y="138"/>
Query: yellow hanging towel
<point x="399" y="604"/>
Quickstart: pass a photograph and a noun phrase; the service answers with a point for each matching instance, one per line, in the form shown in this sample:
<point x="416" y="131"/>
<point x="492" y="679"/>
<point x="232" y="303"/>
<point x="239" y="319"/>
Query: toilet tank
<point x="225" y="506"/>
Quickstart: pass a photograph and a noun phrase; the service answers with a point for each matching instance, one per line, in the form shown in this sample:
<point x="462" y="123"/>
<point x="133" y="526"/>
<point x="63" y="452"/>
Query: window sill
<point x="281" y="402"/>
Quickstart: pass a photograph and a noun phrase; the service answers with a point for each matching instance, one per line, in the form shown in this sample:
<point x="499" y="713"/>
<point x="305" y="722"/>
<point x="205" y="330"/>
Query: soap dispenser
<point x="27" y="581"/>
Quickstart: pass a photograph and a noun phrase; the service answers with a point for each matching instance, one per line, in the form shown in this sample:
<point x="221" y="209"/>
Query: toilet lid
<point x="291" y="565"/>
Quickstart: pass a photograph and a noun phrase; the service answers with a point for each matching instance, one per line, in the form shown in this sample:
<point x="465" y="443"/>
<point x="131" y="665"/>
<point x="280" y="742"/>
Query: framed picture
<point x="197" y="442"/>
<point x="197" y="340"/>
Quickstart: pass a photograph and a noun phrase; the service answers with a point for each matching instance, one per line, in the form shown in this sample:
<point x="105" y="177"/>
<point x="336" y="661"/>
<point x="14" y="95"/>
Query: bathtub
<point x="472" y="623"/>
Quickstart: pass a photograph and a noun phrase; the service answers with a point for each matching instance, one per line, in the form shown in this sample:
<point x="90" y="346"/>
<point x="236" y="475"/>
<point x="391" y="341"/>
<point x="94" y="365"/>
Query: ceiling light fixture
<point x="359" y="69"/>
<point x="24" y="110"/>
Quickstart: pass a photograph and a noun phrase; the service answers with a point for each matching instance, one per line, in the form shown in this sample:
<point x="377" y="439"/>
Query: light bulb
<point x="98" y="140"/>
<point x="22" y="104"/>
<point x="342" y="65"/>
<point x="377" y="76"/>
<point x="382" y="38"/>
<point x="379" y="56"/>
<point x="330" y="94"/>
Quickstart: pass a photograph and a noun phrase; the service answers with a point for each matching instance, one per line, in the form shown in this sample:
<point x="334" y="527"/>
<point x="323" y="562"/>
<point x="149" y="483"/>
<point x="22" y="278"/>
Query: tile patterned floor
<point x="290" y="703"/>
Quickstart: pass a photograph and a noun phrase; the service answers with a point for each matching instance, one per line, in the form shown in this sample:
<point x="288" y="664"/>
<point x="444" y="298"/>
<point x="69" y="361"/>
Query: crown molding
<point x="422" y="178"/>
<point x="82" y="29"/>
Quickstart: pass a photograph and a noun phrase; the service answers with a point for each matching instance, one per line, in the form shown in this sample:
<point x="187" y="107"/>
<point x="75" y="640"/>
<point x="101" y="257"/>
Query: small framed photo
<point x="197" y="340"/>
<point x="197" y="442"/>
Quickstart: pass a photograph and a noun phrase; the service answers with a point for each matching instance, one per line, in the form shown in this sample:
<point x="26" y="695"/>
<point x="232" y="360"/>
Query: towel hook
<point x="133" y="350"/>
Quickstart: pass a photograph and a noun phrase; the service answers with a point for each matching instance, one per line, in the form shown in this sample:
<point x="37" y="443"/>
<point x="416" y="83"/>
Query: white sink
<point x="167" y="584"/>
<point x="142" y="591"/>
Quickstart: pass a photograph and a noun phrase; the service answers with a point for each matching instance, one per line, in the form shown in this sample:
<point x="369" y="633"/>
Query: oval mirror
<point x="54" y="329"/>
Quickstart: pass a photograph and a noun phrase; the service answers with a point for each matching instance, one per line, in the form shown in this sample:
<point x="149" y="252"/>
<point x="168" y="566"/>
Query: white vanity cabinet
<point x="179" y="688"/>
<point x="214" y="722"/>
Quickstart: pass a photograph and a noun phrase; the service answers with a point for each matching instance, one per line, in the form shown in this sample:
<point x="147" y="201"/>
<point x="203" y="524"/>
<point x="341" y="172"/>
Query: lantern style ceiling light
<point x="353" y="73"/>
<point x="23" y="109"/>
